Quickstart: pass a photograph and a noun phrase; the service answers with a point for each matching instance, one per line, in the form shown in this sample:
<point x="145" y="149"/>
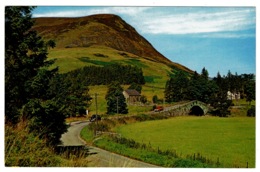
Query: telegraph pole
<point x="117" y="104"/>
<point x="96" y="102"/>
<point x="96" y="112"/>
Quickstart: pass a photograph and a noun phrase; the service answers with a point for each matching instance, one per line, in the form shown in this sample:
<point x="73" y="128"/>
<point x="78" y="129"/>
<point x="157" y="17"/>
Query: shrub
<point x="251" y="111"/>
<point x="100" y="126"/>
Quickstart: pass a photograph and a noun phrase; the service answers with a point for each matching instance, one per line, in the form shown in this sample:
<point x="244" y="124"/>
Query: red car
<point x="158" y="109"/>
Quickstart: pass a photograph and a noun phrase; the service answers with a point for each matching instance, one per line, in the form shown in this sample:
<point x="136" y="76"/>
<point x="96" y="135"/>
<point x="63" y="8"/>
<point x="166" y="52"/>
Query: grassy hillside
<point x="156" y="74"/>
<point x="105" y="30"/>
<point x="101" y="40"/>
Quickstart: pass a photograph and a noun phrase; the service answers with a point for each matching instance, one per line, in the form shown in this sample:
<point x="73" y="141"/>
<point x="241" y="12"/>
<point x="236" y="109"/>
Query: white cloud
<point x="200" y="22"/>
<point x="173" y="20"/>
<point x="129" y="11"/>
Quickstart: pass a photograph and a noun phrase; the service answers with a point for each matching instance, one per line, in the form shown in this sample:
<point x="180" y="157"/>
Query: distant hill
<point x="103" y="30"/>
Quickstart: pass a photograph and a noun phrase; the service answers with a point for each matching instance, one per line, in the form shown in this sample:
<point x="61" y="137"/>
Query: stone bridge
<point x="193" y="108"/>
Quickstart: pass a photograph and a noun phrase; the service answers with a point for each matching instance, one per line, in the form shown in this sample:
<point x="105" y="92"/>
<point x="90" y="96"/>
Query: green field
<point x="231" y="140"/>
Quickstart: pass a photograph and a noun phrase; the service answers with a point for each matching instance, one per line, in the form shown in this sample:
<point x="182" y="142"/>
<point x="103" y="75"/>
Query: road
<point x="98" y="157"/>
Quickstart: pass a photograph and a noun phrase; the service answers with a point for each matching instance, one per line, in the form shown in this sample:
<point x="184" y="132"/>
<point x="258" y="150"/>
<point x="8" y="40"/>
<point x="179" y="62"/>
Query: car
<point x="158" y="109"/>
<point x="94" y="118"/>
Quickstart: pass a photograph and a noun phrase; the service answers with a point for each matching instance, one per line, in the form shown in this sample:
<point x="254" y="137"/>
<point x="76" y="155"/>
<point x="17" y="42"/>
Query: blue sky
<point x="217" y="38"/>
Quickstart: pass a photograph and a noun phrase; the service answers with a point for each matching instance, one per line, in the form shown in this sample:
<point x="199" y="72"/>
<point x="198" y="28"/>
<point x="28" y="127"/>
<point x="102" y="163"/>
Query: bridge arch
<point x="196" y="110"/>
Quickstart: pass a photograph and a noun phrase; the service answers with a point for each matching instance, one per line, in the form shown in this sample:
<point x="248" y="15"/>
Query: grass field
<point x="232" y="140"/>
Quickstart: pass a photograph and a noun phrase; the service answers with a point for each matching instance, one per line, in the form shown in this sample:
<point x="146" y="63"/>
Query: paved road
<point x="98" y="157"/>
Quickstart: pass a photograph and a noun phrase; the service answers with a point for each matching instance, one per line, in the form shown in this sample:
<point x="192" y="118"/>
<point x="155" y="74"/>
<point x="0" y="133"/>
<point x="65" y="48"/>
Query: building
<point x="233" y="96"/>
<point x="131" y="96"/>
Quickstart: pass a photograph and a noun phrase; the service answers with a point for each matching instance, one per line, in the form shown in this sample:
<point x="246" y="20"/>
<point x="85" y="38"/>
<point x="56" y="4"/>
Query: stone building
<point x="132" y="96"/>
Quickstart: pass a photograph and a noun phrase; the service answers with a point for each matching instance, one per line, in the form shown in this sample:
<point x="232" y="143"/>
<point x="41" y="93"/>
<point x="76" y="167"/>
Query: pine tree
<point x="116" y="102"/>
<point x="27" y="77"/>
<point x="25" y="61"/>
<point x="176" y="87"/>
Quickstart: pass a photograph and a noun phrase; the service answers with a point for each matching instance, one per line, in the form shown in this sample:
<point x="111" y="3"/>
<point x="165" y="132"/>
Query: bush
<point x="251" y="111"/>
<point x="45" y="119"/>
<point x="100" y="126"/>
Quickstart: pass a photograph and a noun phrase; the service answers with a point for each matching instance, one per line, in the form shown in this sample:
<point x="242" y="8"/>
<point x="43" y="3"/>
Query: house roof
<point x="132" y="92"/>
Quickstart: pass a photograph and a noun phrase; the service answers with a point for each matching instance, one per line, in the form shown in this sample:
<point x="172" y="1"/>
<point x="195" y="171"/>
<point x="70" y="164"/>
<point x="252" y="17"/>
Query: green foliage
<point x="176" y="87"/>
<point x="93" y="75"/>
<point x="45" y="120"/>
<point x="251" y="111"/>
<point x="136" y="86"/>
<point x="51" y="43"/>
<point x="70" y="94"/>
<point x="143" y="99"/>
<point x="155" y="99"/>
<point x="250" y="91"/>
<point x="116" y="102"/>
<point x="28" y="79"/>
<point x="25" y="55"/>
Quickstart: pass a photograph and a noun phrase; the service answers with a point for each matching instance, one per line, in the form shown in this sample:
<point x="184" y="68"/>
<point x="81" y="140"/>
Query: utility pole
<point x="117" y="104"/>
<point x="96" y="113"/>
<point x="96" y="102"/>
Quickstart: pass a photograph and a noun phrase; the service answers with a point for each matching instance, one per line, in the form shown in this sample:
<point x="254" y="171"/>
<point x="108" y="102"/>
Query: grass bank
<point x="24" y="149"/>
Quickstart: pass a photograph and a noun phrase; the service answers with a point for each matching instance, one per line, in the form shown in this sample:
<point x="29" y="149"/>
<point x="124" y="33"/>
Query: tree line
<point x="183" y="86"/>
<point x="96" y="75"/>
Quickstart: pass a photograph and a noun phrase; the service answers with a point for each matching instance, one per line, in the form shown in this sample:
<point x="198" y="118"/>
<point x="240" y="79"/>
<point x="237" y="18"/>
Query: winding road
<point x="98" y="157"/>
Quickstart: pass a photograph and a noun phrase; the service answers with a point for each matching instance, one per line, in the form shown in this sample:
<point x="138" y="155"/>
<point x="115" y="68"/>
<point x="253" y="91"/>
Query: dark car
<point x="94" y="118"/>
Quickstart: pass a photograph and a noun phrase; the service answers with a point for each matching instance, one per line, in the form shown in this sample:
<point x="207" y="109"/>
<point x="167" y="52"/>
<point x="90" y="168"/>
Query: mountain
<point x="103" y="30"/>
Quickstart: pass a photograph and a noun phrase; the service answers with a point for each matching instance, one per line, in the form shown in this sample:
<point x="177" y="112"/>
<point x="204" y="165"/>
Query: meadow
<point x="231" y="141"/>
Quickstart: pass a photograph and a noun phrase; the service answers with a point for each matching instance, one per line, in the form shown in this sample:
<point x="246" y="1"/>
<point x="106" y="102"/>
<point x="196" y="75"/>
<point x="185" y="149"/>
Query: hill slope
<point x="104" y="30"/>
<point x="102" y="40"/>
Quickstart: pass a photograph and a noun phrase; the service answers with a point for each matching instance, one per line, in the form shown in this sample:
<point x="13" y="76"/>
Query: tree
<point x="205" y="73"/>
<point x="176" y="87"/>
<point x="116" y="102"/>
<point x="27" y="77"/>
<point x="135" y="86"/>
<point x="143" y="99"/>
<point x="250" y="91"/>
<point x="155" y="99"/>
<point x="194" y="87"/>
<point x="46" y="120"/>
<point x="25" y="57"/>
<point x="51" y="43"/>
<point x="70" y="94"/>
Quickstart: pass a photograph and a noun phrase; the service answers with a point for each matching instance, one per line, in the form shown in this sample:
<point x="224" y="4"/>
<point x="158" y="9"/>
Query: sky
<point x="217" y="38"/>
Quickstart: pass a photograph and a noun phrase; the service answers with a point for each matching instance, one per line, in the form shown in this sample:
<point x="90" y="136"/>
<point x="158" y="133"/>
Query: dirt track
<point x="99" y="157"/>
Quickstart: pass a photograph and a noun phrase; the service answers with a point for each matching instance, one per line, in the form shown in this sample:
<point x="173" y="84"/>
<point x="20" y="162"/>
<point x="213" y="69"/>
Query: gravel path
<point x="98" y="157"/>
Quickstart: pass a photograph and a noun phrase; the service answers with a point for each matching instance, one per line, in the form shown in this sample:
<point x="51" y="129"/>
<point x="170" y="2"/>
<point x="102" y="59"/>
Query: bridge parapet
<point x="184" y="109"/>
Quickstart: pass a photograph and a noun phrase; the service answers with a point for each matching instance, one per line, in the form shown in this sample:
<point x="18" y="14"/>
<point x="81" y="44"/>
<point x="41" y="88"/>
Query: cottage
<point x="132" y="96"/>
<point x="233" y="96"/>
